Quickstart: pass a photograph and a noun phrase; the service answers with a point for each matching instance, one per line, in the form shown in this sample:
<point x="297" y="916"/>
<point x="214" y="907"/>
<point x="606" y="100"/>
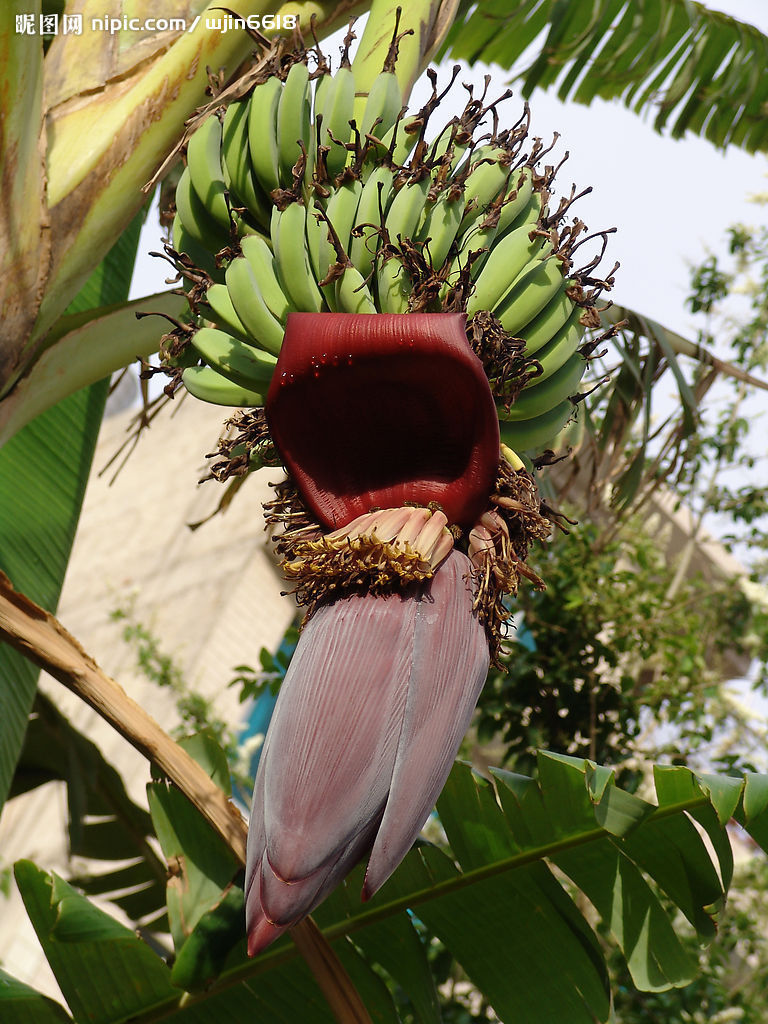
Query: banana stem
<point x="326" y="967"/>
<point x="40" y="637"/>
<point x="426" y="21"/>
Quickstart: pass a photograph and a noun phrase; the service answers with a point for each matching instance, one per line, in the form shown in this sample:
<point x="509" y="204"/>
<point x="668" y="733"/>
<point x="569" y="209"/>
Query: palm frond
<point x="691" y="68"/>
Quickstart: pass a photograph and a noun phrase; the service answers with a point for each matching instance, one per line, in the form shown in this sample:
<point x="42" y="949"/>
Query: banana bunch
<point x="297" y="197"/>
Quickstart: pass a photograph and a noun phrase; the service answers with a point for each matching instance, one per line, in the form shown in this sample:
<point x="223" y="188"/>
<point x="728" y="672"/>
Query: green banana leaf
<point x="87" y="347"/>
<point x="693" y="68"/>
<point x="203" y="865"/>
<point x="24" y="1003"/>
<point x="43" y="472"/>
<point x="492" y="898"/>
<point x="104" y="823"/>
<point x="103" y="968"/>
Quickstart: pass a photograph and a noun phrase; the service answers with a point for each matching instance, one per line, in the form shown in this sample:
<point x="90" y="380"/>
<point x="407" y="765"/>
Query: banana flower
<point x="370" y="715"/>
<point x="388" y="428"/>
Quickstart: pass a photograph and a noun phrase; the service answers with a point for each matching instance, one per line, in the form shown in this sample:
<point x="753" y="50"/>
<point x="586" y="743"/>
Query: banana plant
<point x="73" y="173"/>
<point x="490" y="897"/>
<point x="79" y="140"/>
<point x="505" y="886"/>
<point x="66" y="199"/>
<point x="69" y="232"/>
<point x="655" y="869"/>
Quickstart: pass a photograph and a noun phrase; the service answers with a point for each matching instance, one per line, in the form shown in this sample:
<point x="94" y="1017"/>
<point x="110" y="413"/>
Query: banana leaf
<point x="693" y="69"/>
<point x="492" y="897"/>
<point x="103" y="822"/>
<point x="43" y="472"/>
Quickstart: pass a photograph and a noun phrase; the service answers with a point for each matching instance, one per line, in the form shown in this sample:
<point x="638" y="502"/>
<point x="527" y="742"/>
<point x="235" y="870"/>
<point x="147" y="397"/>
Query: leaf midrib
<point x="277" y="958"/>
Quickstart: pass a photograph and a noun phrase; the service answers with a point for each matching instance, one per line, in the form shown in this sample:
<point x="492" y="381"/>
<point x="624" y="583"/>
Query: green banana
<point x="183" y="242"/>
<point x="315" y="212"/>
<point x="476" y="239"/>
<point x="507" y="260"/>
<point x="384" y="103"/>
<point x="538" y="398"/>
<point x="522" y="208"/>
<point x="294" y="122"/>
<point x="393" y="285"/>
<point x="235" y="359"/>
<point x="257" y="251"/>
<point x="370" y="210"/>
<point x="529" y="294"/>
<point x="336" y="105"/>
<point x="406" y="209"/>
<point x="198" y="223"/>
<point x="293" y="265"/>
<point x="352" y="293"/>
<point x="560" y="348"/>
<point x="237" y="161"/>
<point x="521" y="204"/>
<point x="262" y="133"/>
<point x="546" y="324"/>
<point x="251" y="308"/>
<point x="445" y="204"/>
<point x="438" y="149"/>
<point x="440" y="225"/>
<point x="187" y="357"/>
<point x="224" y="314"/>
<point x="205" y="171"/>
<point x="341" y="212"/>
<point x="531" y="213"/>
<point x="534" y="434"/>
<point x="393" y="282"/>
<point x="209" y="386"/>
<point x="323" y="87"/>
<point x="483" y="184"/>
<point x="318" y="248"/>
<point x="404" y="141"/>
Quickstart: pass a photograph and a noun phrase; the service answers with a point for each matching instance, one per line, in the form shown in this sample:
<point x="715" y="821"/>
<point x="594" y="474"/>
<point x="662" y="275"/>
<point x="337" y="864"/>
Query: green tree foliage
<point x="520" y="862"/>
<point x="625" y="623"/>
<point x="607" y="643"/>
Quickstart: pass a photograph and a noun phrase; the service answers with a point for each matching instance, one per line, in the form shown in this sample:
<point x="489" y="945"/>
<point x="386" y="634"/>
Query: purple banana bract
<point x="370" y="716"/>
